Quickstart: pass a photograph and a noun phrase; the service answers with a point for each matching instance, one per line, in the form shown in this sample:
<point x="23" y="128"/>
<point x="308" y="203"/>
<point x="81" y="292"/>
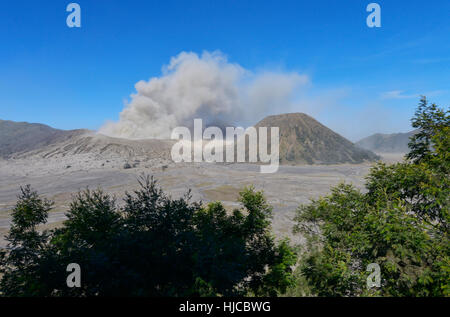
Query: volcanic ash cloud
<point x="207" y="87"/>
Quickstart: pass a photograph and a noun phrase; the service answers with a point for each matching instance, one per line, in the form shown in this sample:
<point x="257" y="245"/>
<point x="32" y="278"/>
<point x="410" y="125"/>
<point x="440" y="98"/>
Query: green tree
<point x="237" y="253"/>
<point x="400" y="223"/>
<point x="430" y="120"/>
<point x="21" y="265"/>
<point x="152" y="245"/>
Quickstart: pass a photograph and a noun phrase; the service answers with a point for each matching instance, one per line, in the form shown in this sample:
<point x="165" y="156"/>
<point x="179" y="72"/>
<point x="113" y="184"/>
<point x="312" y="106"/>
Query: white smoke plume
<point x="207" y="87"/>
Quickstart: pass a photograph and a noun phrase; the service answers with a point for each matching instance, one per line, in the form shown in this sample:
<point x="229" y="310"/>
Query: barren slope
<point x="19" y="137"/>
<point x="387" y="143"/>
<point x="305" y="140"/>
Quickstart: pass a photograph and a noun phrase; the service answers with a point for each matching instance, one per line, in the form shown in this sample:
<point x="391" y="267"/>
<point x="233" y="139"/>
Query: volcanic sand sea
<point x="285" y="190"/>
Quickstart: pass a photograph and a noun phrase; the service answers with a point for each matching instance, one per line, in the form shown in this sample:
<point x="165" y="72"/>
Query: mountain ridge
<point x="387" y="142"/>
<point x="303" y="139"/>
<point x="20" y="137"/>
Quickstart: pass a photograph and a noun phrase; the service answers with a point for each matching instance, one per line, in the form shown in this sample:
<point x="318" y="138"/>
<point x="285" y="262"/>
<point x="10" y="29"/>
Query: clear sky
<point x="369" y="78"/>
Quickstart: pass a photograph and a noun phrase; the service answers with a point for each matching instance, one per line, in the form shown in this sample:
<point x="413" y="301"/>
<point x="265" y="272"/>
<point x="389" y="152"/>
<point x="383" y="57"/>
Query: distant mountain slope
<point x="305" y="140"/>
<point x="302" y="140"/>
<point x="18" y="137"/>
<point x="105" y="147"/>
<point x="387" y="143"/>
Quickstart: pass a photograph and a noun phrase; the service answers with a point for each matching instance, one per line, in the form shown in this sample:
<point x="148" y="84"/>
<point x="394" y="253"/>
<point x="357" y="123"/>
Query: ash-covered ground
<point x="58" y="178"/>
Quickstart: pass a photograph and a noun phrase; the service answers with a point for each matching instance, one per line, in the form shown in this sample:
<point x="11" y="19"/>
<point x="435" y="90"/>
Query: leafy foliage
<point x="400" y="223"/>
<point x="153" y="245"/>
<point x="21" y="265"/>
<point x="431" y="121"/>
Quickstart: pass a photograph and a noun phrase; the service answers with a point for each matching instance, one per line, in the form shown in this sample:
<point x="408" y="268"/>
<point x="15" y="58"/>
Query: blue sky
<point x="369" y="78"/>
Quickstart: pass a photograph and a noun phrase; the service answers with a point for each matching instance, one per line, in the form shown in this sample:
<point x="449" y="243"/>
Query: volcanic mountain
<point x="27" y="140"/>
<point x="302" y="140"/>
<point x="305" y="140"/>
<point x="18" y="137"/>
<point x="387" y="143"/>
